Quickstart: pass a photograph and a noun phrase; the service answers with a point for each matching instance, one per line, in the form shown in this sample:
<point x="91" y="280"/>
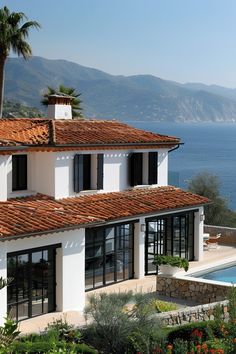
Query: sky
<point x="179" y="40"/>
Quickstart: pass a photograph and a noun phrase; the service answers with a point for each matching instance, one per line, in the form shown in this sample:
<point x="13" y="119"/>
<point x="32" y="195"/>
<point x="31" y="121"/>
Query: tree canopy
<point x="218" y="212"/>
<point x="13" y="35"/>
<point x="70" y="91"/>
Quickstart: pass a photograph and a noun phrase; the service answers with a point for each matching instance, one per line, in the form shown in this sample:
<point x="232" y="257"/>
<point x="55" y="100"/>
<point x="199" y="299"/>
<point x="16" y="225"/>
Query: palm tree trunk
<point x="2" y="66"/>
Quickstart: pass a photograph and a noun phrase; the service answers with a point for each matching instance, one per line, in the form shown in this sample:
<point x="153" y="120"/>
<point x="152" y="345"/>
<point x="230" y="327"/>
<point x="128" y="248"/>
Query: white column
<point x="198" y="234"/>
<point x="139" y="249"/>
<point x="3" y="177"/>
<point x="73" y="271"/>
<point x="3" y="273"/>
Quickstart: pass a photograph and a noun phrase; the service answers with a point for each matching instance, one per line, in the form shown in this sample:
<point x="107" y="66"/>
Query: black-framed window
<point x="32" y="291"/>
<point x="169" y="235"/>
<point x="136" y="168"/>
<point x="83" y="172"/>
<point x="108" y="255"/>
<point x="19" y="172"/>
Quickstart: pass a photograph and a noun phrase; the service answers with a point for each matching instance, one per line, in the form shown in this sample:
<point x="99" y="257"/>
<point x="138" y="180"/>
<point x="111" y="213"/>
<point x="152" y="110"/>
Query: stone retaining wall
<point x="228" y="234"/>
<point x="193" y="314"/>
<point x="191" y="289"/>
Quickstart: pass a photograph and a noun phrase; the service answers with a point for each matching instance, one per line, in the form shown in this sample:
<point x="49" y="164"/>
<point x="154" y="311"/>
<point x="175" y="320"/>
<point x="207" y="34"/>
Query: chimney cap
<point x="59" y="99"/>
<point x="60" y="95"/>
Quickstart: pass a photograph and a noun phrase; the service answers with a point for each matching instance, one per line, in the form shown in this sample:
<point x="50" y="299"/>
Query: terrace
<point x="224" y="254"/>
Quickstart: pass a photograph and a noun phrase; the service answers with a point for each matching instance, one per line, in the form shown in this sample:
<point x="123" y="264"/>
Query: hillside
<point x="16" y="109"/>
<point x="140" y="97"/>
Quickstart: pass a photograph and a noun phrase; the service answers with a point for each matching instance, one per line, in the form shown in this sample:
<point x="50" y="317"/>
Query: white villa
<point x="85" y="204"/>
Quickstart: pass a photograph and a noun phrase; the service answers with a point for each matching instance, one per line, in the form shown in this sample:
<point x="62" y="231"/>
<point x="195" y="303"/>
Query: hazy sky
<point x="181" y="40"/>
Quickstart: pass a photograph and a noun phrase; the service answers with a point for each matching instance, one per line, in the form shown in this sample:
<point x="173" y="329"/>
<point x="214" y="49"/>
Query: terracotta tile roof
<point x="84" y="133"/>
<point x="43" y="214"/>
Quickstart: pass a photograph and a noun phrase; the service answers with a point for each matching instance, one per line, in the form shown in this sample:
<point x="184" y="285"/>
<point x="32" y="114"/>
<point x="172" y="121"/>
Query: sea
<point x="207" y="147"/>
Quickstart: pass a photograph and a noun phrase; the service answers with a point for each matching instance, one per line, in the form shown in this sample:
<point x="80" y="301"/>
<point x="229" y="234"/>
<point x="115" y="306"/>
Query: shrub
<point x="164" y="306"/>
<point x="8" y="332"/>
<point x="231" y="296"/>
<point x="43" y="346"/>
<point x="173" y="261"/>
<point x="182" y="332"/>
<point x="121" y="322"/>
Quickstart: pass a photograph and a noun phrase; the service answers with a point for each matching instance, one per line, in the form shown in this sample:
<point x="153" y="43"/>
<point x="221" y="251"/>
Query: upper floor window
<point x="88" y="172"/>
<point x="19" y="172"/>
<point x="143" y="168"/>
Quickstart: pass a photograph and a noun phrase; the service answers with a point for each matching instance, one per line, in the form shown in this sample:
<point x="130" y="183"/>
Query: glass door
<point x="155" y="236"/>
<point x="32" y="291"/>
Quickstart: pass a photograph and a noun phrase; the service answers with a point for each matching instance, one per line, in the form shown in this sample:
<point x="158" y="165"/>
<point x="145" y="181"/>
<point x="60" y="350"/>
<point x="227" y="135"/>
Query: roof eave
<point x="101" y="222"/>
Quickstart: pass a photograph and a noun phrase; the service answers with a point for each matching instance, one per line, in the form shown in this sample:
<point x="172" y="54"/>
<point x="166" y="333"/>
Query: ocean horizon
<point x="207" y="147"/>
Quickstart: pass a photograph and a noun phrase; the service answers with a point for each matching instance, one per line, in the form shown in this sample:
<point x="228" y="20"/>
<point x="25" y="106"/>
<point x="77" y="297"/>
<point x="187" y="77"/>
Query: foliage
<point x="13" y="38"/>
<point x="217" y="213"/>
<point x="60" y="337"/>
<point x="63" y="331"/>
<point x="173" y="261"/>
<point x="122" y="323"/>
<point x="164" y="306"/>
<point x="231" y="296"/>
<point x="8" y="332"/>
<point x="13" y="109"/>
<point x="70" y="91"/>
<point x="182" y="332"/>
<point x="42" y="346"/>
<point x="5" y="282"/>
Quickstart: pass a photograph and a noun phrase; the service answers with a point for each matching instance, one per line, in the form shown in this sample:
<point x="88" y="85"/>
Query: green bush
<point x="182" y="332"/>
<point x="39" y="347"/>
<point x="164" y="306"/>
<point x="122" y="323"/>
<point x="173" y="261"/>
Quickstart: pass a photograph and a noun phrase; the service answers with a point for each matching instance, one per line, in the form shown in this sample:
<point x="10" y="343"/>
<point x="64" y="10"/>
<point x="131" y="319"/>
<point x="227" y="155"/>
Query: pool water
<point x="227" y="275"/>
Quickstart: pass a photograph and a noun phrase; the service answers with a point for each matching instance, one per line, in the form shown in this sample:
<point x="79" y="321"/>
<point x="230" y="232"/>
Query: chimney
<point x="59" y="106"/>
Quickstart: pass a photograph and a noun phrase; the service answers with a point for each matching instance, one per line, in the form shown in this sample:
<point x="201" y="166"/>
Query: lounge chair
<point x="212" y="242"/>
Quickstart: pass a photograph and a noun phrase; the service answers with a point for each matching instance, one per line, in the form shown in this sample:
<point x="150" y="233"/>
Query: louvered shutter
<point x="100" y="162"/>
<point x="136" y="169"/>
<point x="78" y="173"/>
<point x="152" y="167"/>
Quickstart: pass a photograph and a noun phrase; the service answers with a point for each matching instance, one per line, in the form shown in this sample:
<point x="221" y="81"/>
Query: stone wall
<point x="193" y="314"/>
<point x="191" y="289"/>
<point x="228" y="234"/>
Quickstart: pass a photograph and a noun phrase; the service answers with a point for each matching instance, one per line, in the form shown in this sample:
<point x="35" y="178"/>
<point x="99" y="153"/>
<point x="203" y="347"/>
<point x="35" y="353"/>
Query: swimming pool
<point x="226" y="274"/>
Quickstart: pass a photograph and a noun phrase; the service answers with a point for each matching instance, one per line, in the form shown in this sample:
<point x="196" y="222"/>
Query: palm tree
<point x="13" y="37"/>
<point x="70" y="91"/>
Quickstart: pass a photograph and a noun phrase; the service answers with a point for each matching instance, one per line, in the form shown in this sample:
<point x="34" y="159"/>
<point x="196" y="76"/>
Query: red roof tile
<point x="83" y="133"/>
<point x="43" y="214"/>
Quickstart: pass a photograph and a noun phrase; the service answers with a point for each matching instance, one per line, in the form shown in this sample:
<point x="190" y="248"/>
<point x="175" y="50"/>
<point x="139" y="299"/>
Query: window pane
<point x="87" y="172"/>
<point x="19" y="172"/>
<point x="23" y="310"/>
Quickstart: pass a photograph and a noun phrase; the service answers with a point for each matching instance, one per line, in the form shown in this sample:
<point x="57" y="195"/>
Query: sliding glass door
<point x="155" y="237"/>
<point x="170" y="234"/>
<point x="108" y="255"/>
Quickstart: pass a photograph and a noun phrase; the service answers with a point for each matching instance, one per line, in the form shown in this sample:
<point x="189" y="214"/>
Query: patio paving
<point x="214" y="257"/>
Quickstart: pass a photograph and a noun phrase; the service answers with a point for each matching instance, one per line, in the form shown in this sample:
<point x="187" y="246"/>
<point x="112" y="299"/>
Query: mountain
<point x="138" y="97"/>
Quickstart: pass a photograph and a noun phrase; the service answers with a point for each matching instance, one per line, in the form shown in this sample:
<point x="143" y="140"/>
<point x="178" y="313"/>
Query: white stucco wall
<point x="115" y="171"/>
<point x="163" y="167"/>
<point x="59" y="111"/>
<point x="51" y="173"/>
<point x="3" y="177"/>
<point x="70" y="260"/>
<point x="43" y="172"/>
<point x="198" y="232"/>
<point x="139" y="249"/>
